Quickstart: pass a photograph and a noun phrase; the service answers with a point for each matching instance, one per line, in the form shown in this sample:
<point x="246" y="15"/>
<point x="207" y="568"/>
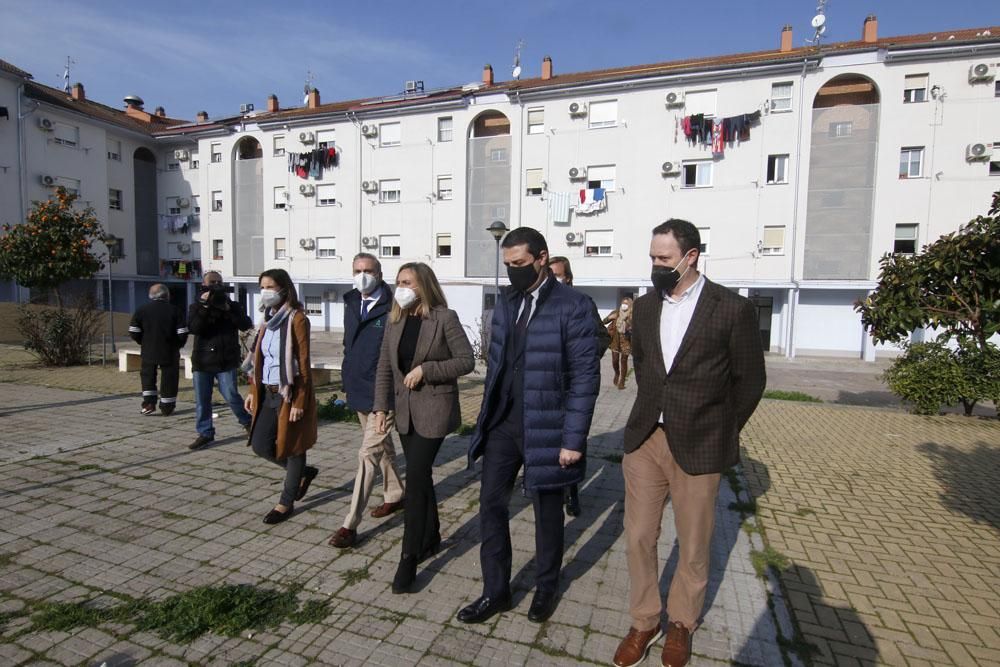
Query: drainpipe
<point x="520" y="166"/>
<point x="22" y="158"/>
<point x="793" y="303"/>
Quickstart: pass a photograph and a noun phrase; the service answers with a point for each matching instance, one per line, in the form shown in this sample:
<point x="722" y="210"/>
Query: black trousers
<point x="264" y="440"/>
<point x="169" y="377"/>
<point x="421" y="527"/>
<point x="502" y="459"/>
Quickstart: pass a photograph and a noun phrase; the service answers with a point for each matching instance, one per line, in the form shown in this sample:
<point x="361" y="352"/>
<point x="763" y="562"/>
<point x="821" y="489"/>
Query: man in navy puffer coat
<point x="542" y="382"/>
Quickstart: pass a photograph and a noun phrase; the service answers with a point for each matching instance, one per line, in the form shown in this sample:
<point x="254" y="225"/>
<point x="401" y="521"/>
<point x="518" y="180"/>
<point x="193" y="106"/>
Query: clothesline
<point x="178" y="224"/>
<point x="180" y="268"/>
<point x="699" y="129"/>
<point x="311" y="164"/>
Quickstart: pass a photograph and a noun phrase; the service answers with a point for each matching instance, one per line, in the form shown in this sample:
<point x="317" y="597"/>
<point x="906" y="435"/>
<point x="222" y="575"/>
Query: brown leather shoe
<point x="385" y="509"/>
<point x="343" y="538"/>
<point x="677" y="646"/>
<point x="633" y="648"/>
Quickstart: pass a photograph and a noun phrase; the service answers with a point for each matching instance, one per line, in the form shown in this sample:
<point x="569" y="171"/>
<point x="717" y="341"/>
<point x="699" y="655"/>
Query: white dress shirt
<point x="372" y="299"/>
<point x="674" y="320"/>
<point x="534" y="300"/>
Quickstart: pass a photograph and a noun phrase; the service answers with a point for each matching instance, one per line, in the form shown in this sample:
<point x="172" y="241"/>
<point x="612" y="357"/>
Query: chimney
<point x="313" y="99"/>
<point x="272" y="103"/>
<point x="161" y="112"/>
<point x="786" y="39"/>
<point x="77" y="92"/>
<point x="870" y="32"/>
<point x="546" y="68"/>
<point x="488" y="74"/>
<point x="202" y="116"/>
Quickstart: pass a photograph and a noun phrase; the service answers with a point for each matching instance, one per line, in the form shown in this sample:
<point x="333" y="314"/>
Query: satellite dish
<point x="517" y="71"/>
<point x="818" y="21"/>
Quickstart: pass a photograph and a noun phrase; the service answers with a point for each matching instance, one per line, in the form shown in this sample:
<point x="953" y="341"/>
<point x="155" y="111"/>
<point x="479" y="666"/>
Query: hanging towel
<point x="592" y="201"/>
<point x="558" y="208"/>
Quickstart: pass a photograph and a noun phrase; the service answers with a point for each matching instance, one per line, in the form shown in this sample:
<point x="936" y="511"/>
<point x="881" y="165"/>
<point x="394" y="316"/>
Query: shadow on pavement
<point x="66" y="404"/>
<point x="968" y="479"/>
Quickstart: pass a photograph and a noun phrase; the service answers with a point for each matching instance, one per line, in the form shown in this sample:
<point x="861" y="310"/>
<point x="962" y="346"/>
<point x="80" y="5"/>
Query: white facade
<point x="755" y="231"/>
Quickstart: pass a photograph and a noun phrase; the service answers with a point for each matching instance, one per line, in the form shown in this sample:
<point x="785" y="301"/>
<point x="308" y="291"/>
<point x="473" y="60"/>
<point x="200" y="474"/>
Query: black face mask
<point x="665" y="279"/>
<point x="522" y="277"/>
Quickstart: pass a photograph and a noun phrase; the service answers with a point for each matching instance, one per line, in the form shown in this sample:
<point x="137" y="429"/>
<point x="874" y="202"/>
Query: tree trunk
<point x="968" y="405"/>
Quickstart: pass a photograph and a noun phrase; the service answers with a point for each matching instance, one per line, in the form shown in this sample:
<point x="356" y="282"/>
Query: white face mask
<point x="405" y="297"/>
<point x="624" y="307"/>
<point x="270" y="298"/>
<point x="365" y="282"/>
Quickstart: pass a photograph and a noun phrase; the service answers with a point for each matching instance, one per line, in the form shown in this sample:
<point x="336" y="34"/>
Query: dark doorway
<point x="765" y="308"/>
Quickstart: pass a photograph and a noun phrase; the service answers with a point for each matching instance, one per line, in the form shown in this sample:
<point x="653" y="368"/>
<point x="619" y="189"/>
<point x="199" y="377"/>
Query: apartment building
<point x="826" y="159"/>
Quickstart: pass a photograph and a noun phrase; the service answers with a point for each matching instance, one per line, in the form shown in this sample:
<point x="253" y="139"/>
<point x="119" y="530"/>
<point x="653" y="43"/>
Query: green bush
<point x="336" y="410"/>
<point x="980" y="374"/>
<point x="60" y="336"/>
<point x="926" y="375"/>
<point x="782" y="395"/>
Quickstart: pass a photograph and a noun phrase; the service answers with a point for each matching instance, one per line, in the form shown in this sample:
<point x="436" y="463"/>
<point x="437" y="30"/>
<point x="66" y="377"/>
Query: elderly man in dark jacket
<point x="216" y="322"/>
<point x="366" y="310"/>
<point x="159" y="329"/>
<point x="541" y="386"/>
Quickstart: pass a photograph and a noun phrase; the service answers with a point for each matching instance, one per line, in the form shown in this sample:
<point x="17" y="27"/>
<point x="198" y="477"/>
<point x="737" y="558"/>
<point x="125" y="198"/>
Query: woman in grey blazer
<point x="424" y="352"/>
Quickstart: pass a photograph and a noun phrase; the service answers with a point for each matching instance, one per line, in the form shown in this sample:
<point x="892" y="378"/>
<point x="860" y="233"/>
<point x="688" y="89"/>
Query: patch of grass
<point x="782" y="395"/>
<point x="6" y="559"/>
<point x="612" y="458"/>
<point x="172" y="516"/>
<point x="465" y="429"/>
<point x="804" y="511"/>
<point x="744" y="506"/>
<point x="750" y="527"/>
<point x="768" y="558"/>
<point x="335" y="409"/>
<point x="733" y="478"/>
<point x="356" y="575"/>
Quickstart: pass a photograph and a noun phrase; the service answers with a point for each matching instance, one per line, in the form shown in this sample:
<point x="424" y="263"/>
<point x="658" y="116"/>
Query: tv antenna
<point x="65" y="76"/>
<point x="818" y="22"/>
<point x="310" y="77"/>
<point x="516" y="73"/>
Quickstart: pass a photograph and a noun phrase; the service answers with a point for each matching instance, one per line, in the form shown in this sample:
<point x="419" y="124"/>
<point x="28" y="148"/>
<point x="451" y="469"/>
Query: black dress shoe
<point x="573" y="501"/>
<point x="307" y="477"/>
<point x="542" y="606"/>
<point x="201" y="441"/>
<point x="406" y="574"/>
<point x="274" y="516"/>
<point x="483" y="609"/>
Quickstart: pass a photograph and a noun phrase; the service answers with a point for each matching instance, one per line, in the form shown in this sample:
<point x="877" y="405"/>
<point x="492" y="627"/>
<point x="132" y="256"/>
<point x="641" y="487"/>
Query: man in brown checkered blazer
<point x="700" y="372"/>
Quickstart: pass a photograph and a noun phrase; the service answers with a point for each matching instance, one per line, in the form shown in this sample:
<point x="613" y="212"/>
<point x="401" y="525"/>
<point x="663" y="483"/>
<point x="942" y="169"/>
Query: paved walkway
<point x="99" y="499"/>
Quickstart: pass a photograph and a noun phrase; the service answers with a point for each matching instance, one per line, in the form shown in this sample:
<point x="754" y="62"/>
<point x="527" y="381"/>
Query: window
<point x="216" y="200"/>
<point x="915" y="88"/>
<point x="388" y="191"/>
<point x="280" y="249"/>
<point x="72" y="185"/>
<point x="67" y="135"/>
<point x="326" y="137"/>
<point x="280" y="197"/>
<point x="498" y="155"/>
<point x="444" y="187"/>
<point x="533" y="182"/>
<point x="603" y="114"/>
<point x="388" y="134"/>
<point x="444" y="128"/>
<point x="844" y="128"/>
<point x="195" y="204"/>
<point x="326" y="246"/>
<point x="314" y="305"/>
<point x="193" y="162"/>
<point x="173" y="166"/>
<point x="911" y="162"/>
<point x="173" y="205"/>
<point x="905" y="242"/>
<point x="996" y="88"/>
<point x="598" y="243"/>
<point x="995" y="164"/>
<point x="697" y="174"/>
<point x="773" y="241"/>
<point x="701" y="101"/>
<point x="777" y="169"/>
<point x="216" y="153"/>
<point x="217" y="249"/>
<point x="704" y="233"/>
<point x="388" y="245"/>
<point x="781" y="96"/>
<point x="601" y="176"/>
<point x="278" y="145"/>
<point x="443" y="245"/>
<point x="536" y="121"/>
<point x="114" y="150"/>
<point x="326" y="194"/>
<point x="115" y="199"/>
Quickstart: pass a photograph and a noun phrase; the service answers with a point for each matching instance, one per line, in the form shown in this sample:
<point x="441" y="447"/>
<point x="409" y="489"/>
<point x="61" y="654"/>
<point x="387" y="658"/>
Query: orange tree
<point x="52" y="246"/>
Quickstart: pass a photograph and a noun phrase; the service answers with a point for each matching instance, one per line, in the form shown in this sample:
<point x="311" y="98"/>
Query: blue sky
<point x="215" y="55"/>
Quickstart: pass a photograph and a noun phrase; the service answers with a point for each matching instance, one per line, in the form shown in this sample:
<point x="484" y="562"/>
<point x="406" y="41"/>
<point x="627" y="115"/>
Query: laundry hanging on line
<point x="180" y="268"/>
<point x="717" y="132"/>
<point x="178" y="224"/>
<point x="311" y="164"/>
<point x="558" y="207"/>
<point x="592" y="200"/>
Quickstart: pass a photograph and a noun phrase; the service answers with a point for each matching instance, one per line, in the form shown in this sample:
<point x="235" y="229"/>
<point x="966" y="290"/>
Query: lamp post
<point x="497" y="229"/>
<point x="113" y="244"/>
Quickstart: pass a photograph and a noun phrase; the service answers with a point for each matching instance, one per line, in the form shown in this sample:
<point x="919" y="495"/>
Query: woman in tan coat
<point x="620" y="327"/>
<point x="281" y="397"/>
<point x="424" y="352"/>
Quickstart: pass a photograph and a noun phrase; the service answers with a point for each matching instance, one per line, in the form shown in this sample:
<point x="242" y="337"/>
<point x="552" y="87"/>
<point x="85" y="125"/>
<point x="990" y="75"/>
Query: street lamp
<point x="497" y="229"/>
<point x="114" y="246"/>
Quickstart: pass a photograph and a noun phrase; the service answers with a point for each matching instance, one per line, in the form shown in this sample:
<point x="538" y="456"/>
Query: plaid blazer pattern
<point x="716" y="380"/>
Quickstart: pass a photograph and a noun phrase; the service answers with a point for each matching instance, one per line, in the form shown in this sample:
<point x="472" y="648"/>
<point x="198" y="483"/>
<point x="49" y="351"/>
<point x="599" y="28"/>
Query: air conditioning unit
<point x="982" y="72"/>
<point x="184" y="247"/>
<point x="307" y="244"/>
<point x="307" y="137"/>
<point x="46" y="124"/>
<point x="183" y="202"/>
<point x="307" y="190"/>
<point x="978" y="151"/>
<point x="369" y="186"/>
<point x="577" y="109"/>
<point x="246" y="108"/>
<point x="369" y="130"/>
<point x="47" y="181"/>
<point x="577" y="173"/>
<point x="181" y="154"/>
<point x="369" y="241"/>
<point x="670" y="167"/>
<point x="675" y="99"/>
<point x="574" y="238"/>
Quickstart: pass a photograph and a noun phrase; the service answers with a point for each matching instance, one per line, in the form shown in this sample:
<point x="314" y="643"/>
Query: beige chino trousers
<point x="377" y="453"/>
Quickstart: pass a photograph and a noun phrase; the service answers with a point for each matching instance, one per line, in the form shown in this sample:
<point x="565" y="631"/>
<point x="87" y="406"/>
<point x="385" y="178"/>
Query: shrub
<point x="60" y="336"/>
<point x="782" y="395"/>
<point x="980" y="369"/>
<point x="335" y="409"/>
<point x="926" y="375"/>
